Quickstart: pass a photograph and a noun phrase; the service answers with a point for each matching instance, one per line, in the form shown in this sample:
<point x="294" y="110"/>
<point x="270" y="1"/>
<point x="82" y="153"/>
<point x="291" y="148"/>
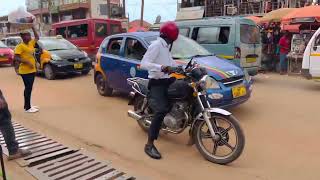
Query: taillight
<point x="237" y="53"/>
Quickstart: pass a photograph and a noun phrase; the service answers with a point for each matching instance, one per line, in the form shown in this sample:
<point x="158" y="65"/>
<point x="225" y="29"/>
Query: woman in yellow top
<point x="24" y="54"/>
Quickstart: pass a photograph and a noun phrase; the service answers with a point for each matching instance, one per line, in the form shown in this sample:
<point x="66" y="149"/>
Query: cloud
<point x="6" y="6"/>
<point x="167" y="9"/>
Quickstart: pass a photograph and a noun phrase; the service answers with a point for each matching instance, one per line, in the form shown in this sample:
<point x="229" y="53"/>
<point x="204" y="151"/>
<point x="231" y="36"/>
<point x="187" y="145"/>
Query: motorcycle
<point x="215" y="132"/>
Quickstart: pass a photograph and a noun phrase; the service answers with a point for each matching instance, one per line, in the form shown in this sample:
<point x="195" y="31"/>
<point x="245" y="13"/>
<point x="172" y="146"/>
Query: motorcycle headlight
<point x="55" y="57"/>
<point x="208" y="82"/>
<point x="247" y="76"/>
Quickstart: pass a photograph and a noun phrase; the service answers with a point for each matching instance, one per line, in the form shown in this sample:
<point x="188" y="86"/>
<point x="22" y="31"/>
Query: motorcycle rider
<point x="159" y="63"/>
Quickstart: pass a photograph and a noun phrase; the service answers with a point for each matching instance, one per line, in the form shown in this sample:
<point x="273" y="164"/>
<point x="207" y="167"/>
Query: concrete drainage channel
<point x="51" y="160"/>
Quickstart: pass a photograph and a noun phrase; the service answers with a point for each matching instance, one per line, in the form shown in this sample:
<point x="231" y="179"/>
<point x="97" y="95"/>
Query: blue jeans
<point x="283" y="62"/>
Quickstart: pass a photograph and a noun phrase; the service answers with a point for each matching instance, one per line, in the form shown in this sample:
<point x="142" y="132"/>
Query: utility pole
<point x="142" y="9"/>
<point x="124" y="8"/>
<point x="50" y="6"/>
<point x="109" y="8"/>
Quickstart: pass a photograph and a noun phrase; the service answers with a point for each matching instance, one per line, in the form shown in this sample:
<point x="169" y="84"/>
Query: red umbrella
<point x="137" y="29"/>
<point x="305" y="14"/>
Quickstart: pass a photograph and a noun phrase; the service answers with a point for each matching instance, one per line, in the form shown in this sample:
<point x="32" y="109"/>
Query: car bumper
<point x="228" y="101"/>
<point x="66" y="69"/>
<point x="306" y="73"/>
<point x="7" y="61"/>
<point x="252" y="70"/>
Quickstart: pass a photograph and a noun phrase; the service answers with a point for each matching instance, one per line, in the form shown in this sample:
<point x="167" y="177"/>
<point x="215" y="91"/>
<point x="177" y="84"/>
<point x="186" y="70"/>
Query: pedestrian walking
<point x="158" y="61"/>
<point x="24" y="54"/>
<point x="284" y="45"/>
<point x="7" y="131"/>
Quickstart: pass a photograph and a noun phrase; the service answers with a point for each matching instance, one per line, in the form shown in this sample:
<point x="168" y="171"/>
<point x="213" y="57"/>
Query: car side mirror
<point x="315" y="48"/>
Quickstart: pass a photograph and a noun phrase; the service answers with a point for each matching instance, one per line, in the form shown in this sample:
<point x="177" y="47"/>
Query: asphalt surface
<point x="280" y="121"/>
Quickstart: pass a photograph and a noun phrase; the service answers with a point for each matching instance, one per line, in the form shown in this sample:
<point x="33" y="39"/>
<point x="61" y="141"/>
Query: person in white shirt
<point x="159" y="62"/>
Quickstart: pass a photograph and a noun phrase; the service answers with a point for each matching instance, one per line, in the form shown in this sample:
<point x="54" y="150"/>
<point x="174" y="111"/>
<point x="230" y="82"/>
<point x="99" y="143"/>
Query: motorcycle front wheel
<point x="228" y="143"/>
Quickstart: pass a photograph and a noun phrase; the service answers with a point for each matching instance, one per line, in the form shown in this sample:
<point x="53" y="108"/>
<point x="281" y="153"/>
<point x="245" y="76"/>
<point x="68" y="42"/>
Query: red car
<point x="6" y="54"/>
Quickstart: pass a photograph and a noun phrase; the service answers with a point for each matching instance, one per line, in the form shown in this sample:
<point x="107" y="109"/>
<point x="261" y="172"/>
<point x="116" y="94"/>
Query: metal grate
<point x="76" y="166"/>
<point x="53" y="161"/>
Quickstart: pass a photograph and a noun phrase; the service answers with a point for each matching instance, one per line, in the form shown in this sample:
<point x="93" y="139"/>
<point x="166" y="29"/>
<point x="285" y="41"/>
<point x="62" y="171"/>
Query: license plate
<point x="78" y="66"/>
<point x="239" y="91"/>
<point x="3" y="59"/>
<point x="251" y="60"/>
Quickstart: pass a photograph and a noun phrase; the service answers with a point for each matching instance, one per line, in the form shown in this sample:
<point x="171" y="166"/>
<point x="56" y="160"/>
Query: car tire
<point x="102" y="86"/>
<point x="85" y="72"/>
<point x="49" y="72"/>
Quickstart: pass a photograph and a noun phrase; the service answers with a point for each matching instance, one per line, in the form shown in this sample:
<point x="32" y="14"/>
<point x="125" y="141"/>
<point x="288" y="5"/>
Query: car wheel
<point x="49" y="72"/>
<point x="85" y="72"/>
<point x="102" y="86"/>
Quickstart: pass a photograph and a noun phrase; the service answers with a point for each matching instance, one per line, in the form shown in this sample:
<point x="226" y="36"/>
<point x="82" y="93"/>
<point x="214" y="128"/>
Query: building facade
<point x="52" y="11"/>
<point x="243" y="7"/>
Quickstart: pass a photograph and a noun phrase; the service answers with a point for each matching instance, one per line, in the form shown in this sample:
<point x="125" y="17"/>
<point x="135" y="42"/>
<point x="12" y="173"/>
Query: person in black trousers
<point x="25" y="55"/>
<point x="159" y="62"/>
<point x="7" y="131"/>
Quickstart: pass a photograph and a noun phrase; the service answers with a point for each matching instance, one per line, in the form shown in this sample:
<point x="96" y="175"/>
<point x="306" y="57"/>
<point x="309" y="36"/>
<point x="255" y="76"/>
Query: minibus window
<point x="101" y="30"/>
<point x="78" y="31"/>
<point x="184" y="31"/>
<point x="224" y="35"/>
<point x="317" y="42"/>
<point x="249" y="34"/>
<point x="115" y="28"/>
<point x="211" y="35"/>
<point x="208" y="35"/>
<point x="62" y="31"/>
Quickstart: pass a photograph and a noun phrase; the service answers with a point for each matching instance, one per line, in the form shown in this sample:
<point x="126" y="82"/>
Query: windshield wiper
<point x="199" y="55"/>
<point x="57" y="49"/>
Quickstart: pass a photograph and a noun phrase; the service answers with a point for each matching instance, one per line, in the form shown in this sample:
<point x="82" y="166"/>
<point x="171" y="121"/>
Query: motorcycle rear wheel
<point x="199" y="135"/>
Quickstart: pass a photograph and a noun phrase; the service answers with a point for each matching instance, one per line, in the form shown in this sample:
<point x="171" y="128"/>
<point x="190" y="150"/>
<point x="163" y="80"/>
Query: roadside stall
<point x="270" y="34"/>
<point x="302" y="22"/>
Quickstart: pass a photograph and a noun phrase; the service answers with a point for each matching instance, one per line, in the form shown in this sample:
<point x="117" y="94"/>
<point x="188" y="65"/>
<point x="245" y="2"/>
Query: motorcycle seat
<point x="143" y="85"/>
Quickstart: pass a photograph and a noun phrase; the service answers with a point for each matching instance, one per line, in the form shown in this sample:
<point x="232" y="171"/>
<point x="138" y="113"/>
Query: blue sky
<point x="165" y="8"/>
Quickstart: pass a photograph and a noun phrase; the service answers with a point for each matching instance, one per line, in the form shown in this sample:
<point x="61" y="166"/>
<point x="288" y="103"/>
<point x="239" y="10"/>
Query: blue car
<point x="119" y="58"/>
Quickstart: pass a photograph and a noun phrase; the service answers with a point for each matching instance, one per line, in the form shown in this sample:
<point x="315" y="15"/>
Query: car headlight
<point x="85" y="53"/>
<point x="208" y="82"/>
<point x="55" y="57"/>
<point x="247" y="76"/>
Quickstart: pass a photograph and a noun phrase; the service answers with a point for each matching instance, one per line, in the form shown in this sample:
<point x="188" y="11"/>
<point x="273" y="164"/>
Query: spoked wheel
<point x="227" y="144"/>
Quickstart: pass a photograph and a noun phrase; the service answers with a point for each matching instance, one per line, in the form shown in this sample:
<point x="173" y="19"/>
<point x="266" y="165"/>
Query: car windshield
<point x="184" y="48"/>
<point x="52" y="44"/>
<point x="249" y="34"/>
<point x="2" y="45"/>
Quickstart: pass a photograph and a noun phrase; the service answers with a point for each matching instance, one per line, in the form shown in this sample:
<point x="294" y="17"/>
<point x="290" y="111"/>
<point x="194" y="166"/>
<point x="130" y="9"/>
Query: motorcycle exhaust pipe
<point x="134" y="115"/>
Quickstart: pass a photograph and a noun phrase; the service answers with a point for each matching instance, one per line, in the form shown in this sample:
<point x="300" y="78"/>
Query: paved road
<point x="281" y="124"/>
